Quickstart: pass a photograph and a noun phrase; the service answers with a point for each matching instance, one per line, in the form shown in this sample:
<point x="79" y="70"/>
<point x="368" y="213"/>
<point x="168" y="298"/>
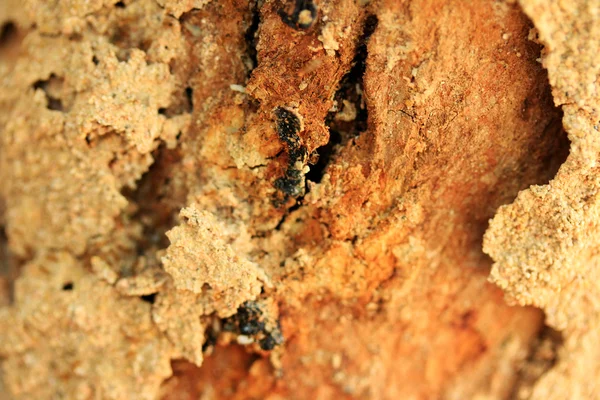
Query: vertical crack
<point x="251" y="39"/>
<point x="325" y="153"/>
<point x="350" y="116"/>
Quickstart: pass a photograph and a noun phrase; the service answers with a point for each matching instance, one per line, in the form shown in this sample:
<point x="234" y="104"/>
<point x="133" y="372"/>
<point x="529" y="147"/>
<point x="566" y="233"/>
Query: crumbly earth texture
<point x="286" y="199"/>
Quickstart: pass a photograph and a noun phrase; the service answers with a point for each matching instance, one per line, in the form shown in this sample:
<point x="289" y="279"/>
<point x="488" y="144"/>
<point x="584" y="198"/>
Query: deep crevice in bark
<point x="542" y="357"/>
<point x="251" y="39"/>
<point x="156" y="216"/>
<point x="351" y="117"/>
<point x="8" y="33"/>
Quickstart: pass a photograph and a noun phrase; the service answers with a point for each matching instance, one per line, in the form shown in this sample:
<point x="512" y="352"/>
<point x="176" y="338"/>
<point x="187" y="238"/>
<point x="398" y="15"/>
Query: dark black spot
<point x="162" y="111"/>
<point x="272" y="339"/>
<point x="95" y="60"/>
<point x="53" y="103"/>
<point x="75" y="37"/>
<point x="369" y="28"/>
<point x="189" y="94"/>
<point x="267" y="343"/>
<point x="249" y="319"/>
<point x="67" y="286"/>
<point x="7" y="33"/>
<point x="40" y="84"/>
<point x="119" y="37"/>
<point x="251" y="327"/>
<point x="120" y="4"/>
<point x="294" y="21"/>
<point x="149" y="298"/>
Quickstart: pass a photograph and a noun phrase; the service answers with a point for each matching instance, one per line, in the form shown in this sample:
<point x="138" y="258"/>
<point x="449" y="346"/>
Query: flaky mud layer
<point x="288" y="199"/>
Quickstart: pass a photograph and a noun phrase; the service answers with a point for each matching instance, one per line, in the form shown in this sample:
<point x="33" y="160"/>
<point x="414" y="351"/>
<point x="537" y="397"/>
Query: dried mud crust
<point x="286" y="199"/>
<point x="545" y="243"/>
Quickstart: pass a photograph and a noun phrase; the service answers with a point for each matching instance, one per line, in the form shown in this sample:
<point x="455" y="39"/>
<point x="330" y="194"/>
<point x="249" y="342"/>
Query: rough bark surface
<point x="289" y="199"/>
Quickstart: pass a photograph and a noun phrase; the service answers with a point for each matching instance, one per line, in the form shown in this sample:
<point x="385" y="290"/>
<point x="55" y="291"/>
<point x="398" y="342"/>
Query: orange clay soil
<point x="289" y="199"/>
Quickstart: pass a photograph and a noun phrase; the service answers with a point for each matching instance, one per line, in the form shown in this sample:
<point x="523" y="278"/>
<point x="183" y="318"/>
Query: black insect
<point x="303" y="16"/>
<point x="272" y="339"/>
<point x="288" y="127"/>
<point x="291" y="184"/>
<point x="250" y="321"/>
<point x="268" y="343"/>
